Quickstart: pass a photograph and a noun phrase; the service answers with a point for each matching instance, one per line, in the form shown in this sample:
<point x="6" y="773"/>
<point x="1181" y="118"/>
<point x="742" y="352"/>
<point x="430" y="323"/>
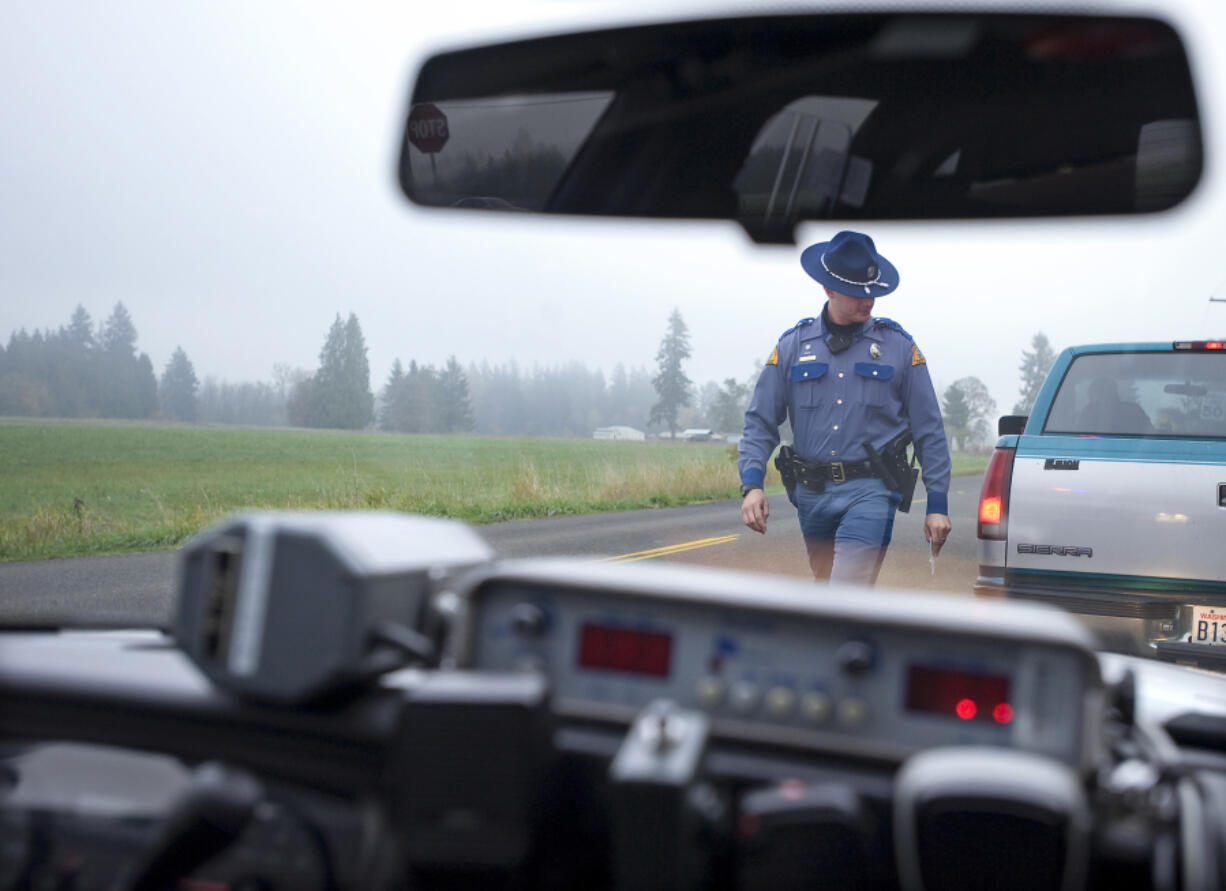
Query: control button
<point x="856" y="656"/>
<point x="853" y="712"/>
<point x="780" y="701"/>
<point x="815" y="707"/>
<point x="710" y="691"/>
<point x="744" y="696"/>
<point x="529" y="620"/>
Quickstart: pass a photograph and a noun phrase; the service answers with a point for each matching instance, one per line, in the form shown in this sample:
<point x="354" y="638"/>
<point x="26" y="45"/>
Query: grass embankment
<point x="69" y="488"/>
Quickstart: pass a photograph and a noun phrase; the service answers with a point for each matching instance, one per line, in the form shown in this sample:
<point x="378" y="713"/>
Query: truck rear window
<point x="1142" y="394"/>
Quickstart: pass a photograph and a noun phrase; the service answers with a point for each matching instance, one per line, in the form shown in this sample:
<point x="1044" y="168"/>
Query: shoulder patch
<point x="883" y="322"/>
<point x="774" y="357"/>
<point x="917" y="358"/>
<point x="802" y="323"/>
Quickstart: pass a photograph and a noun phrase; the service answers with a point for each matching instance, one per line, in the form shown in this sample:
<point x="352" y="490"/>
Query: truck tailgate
<point x="1140" y="510"/>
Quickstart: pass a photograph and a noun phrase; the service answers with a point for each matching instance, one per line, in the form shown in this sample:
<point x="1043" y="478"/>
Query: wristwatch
<point x="747" y="488"/>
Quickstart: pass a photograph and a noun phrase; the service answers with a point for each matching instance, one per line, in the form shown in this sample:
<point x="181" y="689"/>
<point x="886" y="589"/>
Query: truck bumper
<point x="1122" y="621"/>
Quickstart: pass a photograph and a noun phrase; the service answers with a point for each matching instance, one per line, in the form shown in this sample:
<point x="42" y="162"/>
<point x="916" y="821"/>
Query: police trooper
<point x="855" y="387"/>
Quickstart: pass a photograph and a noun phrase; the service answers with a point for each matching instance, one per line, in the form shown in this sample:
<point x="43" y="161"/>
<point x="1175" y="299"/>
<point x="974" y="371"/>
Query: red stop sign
<point x="427" y="128"/>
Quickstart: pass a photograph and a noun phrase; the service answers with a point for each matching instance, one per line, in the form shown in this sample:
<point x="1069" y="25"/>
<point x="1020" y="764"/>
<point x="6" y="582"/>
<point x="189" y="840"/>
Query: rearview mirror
<point x="1186" y="390"/>
<point x="772" y="120"/>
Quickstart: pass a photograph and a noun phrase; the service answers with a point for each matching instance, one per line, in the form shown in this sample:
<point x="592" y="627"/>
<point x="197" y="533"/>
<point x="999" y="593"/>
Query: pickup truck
<point x="1109" y="499"/>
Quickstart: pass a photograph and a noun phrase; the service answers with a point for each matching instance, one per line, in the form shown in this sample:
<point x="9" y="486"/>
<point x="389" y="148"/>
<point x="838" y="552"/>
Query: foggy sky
<point x="227" y="171"/>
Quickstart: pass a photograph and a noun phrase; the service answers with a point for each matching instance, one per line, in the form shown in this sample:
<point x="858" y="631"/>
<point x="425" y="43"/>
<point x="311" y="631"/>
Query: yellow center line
<point x="670" y="549"/>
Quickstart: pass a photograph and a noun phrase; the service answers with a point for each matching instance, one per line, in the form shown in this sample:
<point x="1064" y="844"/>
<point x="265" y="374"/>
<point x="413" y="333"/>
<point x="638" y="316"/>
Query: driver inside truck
<point x="1107" y="413"/>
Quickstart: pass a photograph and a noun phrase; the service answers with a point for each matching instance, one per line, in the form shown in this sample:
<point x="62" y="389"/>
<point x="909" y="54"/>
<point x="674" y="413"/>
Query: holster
<point x="895" y="471"/>
<point x="789" y="465"/>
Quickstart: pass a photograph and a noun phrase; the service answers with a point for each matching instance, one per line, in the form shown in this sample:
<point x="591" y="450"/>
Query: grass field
<point x="87" y="487"/>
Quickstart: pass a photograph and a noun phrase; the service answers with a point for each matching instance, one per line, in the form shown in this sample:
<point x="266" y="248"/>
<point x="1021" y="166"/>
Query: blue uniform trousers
<point x="847" y="528"/>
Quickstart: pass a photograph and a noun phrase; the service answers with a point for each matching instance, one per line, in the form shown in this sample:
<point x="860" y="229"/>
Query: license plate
<point x="1209" y="625"/>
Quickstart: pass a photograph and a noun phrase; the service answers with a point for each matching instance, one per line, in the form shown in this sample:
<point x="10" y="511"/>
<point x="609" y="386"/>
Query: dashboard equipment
<point x="291" y="607"/>
<point x="369" y="701"/>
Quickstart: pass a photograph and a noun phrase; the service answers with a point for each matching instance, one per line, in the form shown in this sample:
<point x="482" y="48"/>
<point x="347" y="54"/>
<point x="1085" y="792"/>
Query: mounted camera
<point x="291" y="607"/>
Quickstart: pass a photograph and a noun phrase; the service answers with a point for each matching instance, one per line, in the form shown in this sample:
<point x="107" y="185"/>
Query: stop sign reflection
<point x="427" y="128"/>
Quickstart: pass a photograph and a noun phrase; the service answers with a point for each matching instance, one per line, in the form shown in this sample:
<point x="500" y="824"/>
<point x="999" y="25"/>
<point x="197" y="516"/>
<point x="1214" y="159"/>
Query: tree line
<point x="78" y="370"/>
<point x="83" y="370"/>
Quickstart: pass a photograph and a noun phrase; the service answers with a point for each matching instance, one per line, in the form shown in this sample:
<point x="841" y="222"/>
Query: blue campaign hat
<point x="849" y="263"/>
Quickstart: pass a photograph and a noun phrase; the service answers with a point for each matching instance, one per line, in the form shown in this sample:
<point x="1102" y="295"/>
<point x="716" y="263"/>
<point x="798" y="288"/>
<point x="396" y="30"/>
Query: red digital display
<point x="960" y="694"/>
<point x="625" y="649"/>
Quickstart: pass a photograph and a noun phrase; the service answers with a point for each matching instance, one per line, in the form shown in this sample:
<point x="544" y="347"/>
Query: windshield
<point x="213" y="297"/>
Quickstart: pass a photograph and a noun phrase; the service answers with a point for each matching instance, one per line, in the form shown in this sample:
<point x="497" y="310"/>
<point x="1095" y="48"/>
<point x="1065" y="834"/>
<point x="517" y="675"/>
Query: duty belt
<point x="890" y="466"/>
<point x="836" y="471"/>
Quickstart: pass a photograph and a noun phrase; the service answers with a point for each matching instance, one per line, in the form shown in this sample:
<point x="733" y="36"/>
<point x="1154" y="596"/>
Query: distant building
<point x="627" y="433"/>
<point x="696" y="434"/>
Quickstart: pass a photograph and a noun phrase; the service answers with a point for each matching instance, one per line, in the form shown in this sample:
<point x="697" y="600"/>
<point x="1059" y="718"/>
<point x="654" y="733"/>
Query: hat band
<point x="865" y="285"/>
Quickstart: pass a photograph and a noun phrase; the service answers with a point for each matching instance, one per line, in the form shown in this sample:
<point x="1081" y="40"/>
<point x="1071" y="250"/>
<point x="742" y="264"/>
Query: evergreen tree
<point x="341" y="396"/>
<point x="177" y="392"/>
<point x="357" y="375"/>
<point x="80" y="331"/>
<point x="328" y="391"/>
<point x="119" y="333"/>
<point x="79" y="388"/>
<point x="412" y="400"/>
<point x="1036" y="362"/>
<point x="456" y="413"/>
<point x="671" y="384"/>
<point x="128" y="386"/>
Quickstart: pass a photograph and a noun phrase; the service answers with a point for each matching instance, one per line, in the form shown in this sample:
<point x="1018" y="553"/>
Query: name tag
<point x="809" y="358"/>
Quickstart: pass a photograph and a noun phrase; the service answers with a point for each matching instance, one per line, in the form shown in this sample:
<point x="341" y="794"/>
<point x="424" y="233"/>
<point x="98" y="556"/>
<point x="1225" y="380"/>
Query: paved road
<point x="713" y="535"/>
<point x="139" y="588"/>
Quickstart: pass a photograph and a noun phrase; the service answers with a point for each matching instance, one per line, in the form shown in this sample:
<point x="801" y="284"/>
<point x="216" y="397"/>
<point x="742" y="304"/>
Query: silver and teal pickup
<point x="1109" y="499"/>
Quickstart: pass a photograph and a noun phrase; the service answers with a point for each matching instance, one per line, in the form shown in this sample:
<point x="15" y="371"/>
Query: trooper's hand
<point x="936" y="530"/>
<point x="755" y="510"/>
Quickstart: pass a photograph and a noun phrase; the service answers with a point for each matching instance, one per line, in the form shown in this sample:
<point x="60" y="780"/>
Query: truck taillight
<point x="994" y="496"/>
